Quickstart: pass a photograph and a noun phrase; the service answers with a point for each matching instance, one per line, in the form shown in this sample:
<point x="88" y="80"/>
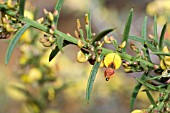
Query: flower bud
<point x="55" y="13"/>
<point x="9" y="28"/>
<point x="151" y="36"/>
<point x="98" y="59"/>
<point x="50" y="16"/>
<point x="43" y="39"/>
<point x="81" y="57"/>
<point x="107" y="40"/>
<point x="45" y="11"/>
<point x="40" y="20"/>
<point x="51" y="39"/>
<point x="76" y="34"/>
<point x="86" y="19"/>
<point x="80" y="43"/>
<point x="51" y="31"/>
<point x="47" y="44"/>
<point x="122" y="45"/>
<point x="78" y="24"/>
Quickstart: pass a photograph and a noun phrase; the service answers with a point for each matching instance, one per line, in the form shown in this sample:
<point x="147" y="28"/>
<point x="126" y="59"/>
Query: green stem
<point x="32" y="23"/>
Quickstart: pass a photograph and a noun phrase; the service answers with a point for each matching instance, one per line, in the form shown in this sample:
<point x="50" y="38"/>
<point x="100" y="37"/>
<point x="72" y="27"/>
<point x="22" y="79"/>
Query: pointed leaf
<point x="138" y="39"/>
<point x="144" y="28"/>
<point x="21" y="7"/>
<point x="150" y="98"/>
<point x="151" y="87"/>
<point x="162" y="37"/>
<point x="88" y="26"/>
<point x="134" y="95"/>
<point x="127" y="29"/>
<point x="60" y="41"/>
<point x="14" y="41"/>
<point x="55" y="52"/>
<point x="58" y="9"/>
<point x="99" y="36"/>
<point x="161" y="53"/>
<point x="92" y="78"/>
<point x="155" y="29"/>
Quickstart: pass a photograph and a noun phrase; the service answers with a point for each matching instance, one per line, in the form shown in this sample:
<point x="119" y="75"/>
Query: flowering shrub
<point x="155" y="76"/>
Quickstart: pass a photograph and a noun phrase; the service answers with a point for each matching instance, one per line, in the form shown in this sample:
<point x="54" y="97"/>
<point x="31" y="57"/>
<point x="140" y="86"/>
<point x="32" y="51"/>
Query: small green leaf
<point x="144" y="28"/>
<point x="99" y="36"/>
<point x="134" y="95"/>
<point x="81" y="34"/>
<point x="162" y="37"/>
<point x="14" y="41"/>
<point x="127" y="29"/>
<point x="60" y="41"/>
<point x="155" y="29"/>
<point x="161" y="53"/>
<point x="92" y="78"/>
<point x="21" y="7"/>
<point x="150" y="98"/>
<point x="58" y="8"/>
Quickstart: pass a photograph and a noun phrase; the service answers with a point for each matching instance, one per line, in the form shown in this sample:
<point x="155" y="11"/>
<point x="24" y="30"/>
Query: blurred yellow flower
<point x="138" y="111"/>
<point x="14" y="93"/>
<point x="34" y="74"/>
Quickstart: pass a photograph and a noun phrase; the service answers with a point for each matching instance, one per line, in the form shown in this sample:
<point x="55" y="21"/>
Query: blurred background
<point x="30" y="84"/>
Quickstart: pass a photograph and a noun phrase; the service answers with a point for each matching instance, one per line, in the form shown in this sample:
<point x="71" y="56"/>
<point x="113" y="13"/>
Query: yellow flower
<point x="112" y="60"/>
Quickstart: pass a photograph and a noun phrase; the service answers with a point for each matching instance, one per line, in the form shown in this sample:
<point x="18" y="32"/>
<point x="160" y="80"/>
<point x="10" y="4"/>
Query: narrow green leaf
<point x="144" y="28"/>
<point x="92" y="78"/>
<point x="58" y="9"/>
<point x="161" y="53"/>
<point x="152" y="87"/>
<point x="138" y="39"/>
<point x="155" y="29"/>
<point x="60" y="41"/>
<point x="88" y="27"/>
<point x="150" y="98"/>
<point x="162" y="37"/>
<point x="127" y="29"/>
<point x="99" y="36"/>
<point x="134" y="95"/>
<point x="14" y="41"/>
<point x="21" y="7"/>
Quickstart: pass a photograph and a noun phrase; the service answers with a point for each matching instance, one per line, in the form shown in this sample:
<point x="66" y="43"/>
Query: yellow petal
<point x="162" y="64"/>
<point x="112" y="58"/>
<point x="165" y="49"/>
<point x="167" y="60"/>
